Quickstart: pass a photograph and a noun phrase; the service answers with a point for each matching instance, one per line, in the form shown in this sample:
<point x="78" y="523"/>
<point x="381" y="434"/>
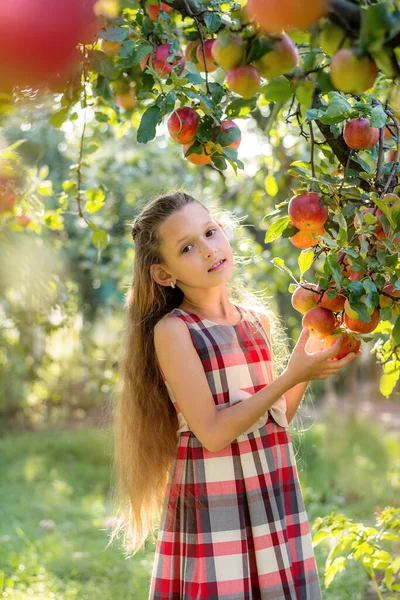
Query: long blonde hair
<point x="144" y="419"/>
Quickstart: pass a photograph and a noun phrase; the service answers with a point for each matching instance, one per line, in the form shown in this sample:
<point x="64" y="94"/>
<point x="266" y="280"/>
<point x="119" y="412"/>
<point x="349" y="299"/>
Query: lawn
<point x="55" y="492"/>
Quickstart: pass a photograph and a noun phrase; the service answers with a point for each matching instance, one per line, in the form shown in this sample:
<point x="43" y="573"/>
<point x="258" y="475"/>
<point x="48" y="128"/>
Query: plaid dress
<point x="234" y="525"/>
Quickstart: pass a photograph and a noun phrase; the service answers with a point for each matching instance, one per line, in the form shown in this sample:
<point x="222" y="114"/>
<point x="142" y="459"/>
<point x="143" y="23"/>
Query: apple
<point x="191" y="50"/>
<point x="152" y="9"/>
<point x="275" y="15"/>
<point x="387" y="134"/>
<point x="349" y="343"/>
<point x="182" y="124"/>
<point x="23" y="220"/>
<point x="228" y="124"/>
<point x="331" y="37"/>
<point x="210" y="61"/>
<point x="197" y="159"/>
<point x="110" y="48"/>
<point x="359" y="135"/>
<point x="334" y="304"/>
<point x="305" y="238"/>
<point x="307" y="212"/>
<point x="319" y="321"/>
<point x="352" y="74"/>
<point x="127" y="100"/>
<point x="228" y="50"/>
<point x="38" y="38"/>
<point x="389" y="289"/>
<point x="392" y="156"/>
<point x="158" y="61"/>
<point x="7" y="201"/>
<point x="304" y="299"/>
<point x="361" y="327"/>
<point x="280" y="60"/>
<point x="244" y="80"/>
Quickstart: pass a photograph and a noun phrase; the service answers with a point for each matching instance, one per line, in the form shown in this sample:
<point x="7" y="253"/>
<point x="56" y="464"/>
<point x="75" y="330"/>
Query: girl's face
<point x="191" y="242"/>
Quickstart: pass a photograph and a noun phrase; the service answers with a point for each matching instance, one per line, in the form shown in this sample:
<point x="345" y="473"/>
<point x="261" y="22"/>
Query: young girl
<point x="202" y="440"/>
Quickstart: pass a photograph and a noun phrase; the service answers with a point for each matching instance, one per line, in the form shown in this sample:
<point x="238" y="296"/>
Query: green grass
<point x="64" y="477"/>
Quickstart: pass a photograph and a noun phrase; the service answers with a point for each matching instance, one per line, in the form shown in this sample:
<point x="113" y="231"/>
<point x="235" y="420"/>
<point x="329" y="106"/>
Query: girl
<point x="202" y="440"/>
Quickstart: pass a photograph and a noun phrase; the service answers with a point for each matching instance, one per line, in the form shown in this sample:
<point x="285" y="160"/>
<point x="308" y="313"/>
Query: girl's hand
<point x="303" y="366"/>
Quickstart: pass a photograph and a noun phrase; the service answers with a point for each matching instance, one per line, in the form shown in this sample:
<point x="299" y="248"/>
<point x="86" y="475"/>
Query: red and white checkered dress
<point x="234" y="525"/>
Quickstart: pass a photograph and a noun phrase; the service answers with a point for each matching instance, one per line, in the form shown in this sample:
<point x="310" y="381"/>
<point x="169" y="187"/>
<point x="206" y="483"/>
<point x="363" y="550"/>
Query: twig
<point x="198" y="27"/>
<point x="312" y="150"/>
<point x="396" y="162"/>
<point x="380" y="155"/>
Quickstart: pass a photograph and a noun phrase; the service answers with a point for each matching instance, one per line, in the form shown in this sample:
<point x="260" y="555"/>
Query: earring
<point x="172" y="284"/>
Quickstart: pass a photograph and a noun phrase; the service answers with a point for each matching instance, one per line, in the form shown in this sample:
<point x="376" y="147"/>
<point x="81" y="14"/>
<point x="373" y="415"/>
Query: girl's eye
<point x="183" y="250"/>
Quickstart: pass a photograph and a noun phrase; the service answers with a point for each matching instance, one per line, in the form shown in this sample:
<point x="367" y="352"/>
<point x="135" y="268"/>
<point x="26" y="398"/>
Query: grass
<point x="55" y="490"/>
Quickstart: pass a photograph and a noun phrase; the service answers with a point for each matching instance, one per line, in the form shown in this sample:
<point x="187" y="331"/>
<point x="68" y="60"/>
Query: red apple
<point x="305" y="238"/>
<point x="307" y="212"/>
<point x="280" y="60"/>
<point x="389" y="289"/>
<point x="319" y="321"/>
<point x="361" y="327"/>
<point x="228" y="50"/>
<point x="182" y="125"/>
<point x="227" y="124"/>
<point x="244" y="80"/>
<point x="23" y="220"/>
<point x="38" y="38"/>
<point x="191" y="51"/>
<point x="359" y="135"/>
<point x="152" y="9"/>
<point x="198" y="159"/>
<point x="275" y="15"/>
<point x="127" y="100"/>
<point x="7" y="201"/>
<point x="210" y="61"/>
<point x="349" y="343"/>
<point x="334" y="304"/>
<point x="352" y="74"/>
<point x="159" y="61"/>
<point x="304" y="299"/>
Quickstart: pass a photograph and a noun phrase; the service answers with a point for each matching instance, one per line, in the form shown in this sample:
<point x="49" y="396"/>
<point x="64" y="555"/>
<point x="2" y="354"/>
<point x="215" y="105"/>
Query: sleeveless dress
<point x="234" y="525"/>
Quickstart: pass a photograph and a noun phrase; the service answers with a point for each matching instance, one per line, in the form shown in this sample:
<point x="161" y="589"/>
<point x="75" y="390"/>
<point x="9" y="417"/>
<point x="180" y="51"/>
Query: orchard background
<point x="286" y="115"/>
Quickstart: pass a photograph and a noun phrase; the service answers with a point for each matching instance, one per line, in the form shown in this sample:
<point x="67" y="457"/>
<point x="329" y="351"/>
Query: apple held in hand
<point x="359" y="135"/>
<point x="303" y="299"/>
<point x="275" y="15"/>
<point x="319" y="321"/>
<point x="282" y="59"/>
<point x="244" y="80"/>
<point x="182" y="125"/>
<point x="228" y="50"/>
<point x="351" y="73"/>
<point x="349" y="343"/>
<point x="307" y="212"/>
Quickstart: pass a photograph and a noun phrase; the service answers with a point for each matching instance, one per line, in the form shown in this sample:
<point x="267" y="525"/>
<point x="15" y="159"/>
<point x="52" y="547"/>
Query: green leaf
<point x="217" y="92"/>
<point x="396" y="331"/>
<point x="376" y="20"/>
<point x="113" y="33"/>
<point x="378" y="116"/>
<point x="276" y="229"/>
<point x="304" y="94"/>
<point x="99" y="239"/>
<point x="95" y="200"/>
<point x="305" y="260"/>
<point x="337" y="109"/>
<point x="212" y="21"/>
<point x="336" y="567"/>
<point x="277" y="90"/>
<point x="271" y="187"/>
<point x="127" y="49"/>
<point x="280" y="263"/>
<point x="59" y="117"/>
<point x="387" y="383"/>
<point x="226" y="137"/>
<point x="335" y="268"/>
<point x="241" y="107"/>
<point x="148" y="124"/>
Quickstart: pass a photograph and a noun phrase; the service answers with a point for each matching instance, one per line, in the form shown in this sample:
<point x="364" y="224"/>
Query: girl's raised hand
<point x="303" y="366"/>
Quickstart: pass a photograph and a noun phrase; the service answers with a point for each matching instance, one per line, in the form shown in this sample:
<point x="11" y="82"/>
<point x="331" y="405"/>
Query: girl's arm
<point x="293" y="395"/>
